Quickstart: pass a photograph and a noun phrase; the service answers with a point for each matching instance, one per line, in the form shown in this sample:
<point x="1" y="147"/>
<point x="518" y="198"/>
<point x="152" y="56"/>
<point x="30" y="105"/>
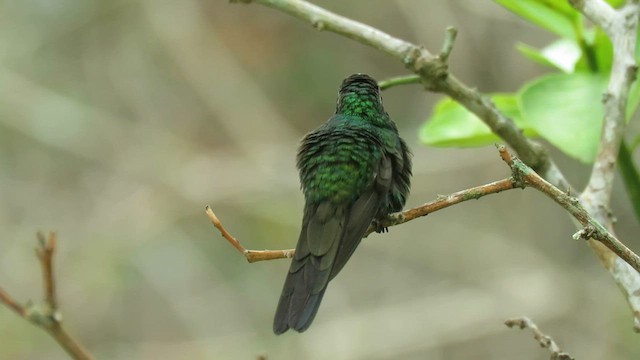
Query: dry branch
<point x="250" y="255"/>
<point x="522" y="176"/>
<point x="544" y="340"/>
<point x="46" y="314"/>
<point x="593" y="229"/>
<point x="394" y="219"/>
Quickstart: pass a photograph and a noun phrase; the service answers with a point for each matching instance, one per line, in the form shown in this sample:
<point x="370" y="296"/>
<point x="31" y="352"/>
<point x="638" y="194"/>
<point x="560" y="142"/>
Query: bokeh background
<point x="120" y="120"/>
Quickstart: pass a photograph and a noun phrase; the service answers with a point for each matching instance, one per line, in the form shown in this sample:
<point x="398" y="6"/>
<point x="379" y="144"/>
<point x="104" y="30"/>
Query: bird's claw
<point x="379" y="226"/>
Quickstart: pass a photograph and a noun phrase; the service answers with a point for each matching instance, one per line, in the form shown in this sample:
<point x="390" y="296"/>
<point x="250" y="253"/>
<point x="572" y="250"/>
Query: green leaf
<point x="634" y="100"/>
<point x="453" y="125"/>
<point x="637" y="53"/>
<point x="562" y="54"/>
<point x="603" y="51"/>
<point x="553" y="15"/>
<point x="630" y="177"/>
<point x="566" y="109"/>
<point x="535" y="55"/>
<point x="562" y="6"/>
<point x="615" y="3"/>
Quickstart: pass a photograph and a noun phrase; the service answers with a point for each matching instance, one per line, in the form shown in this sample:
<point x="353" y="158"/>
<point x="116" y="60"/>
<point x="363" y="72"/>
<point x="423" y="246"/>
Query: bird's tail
<point x="299" y="302"/>
<point x="327" y="240"/>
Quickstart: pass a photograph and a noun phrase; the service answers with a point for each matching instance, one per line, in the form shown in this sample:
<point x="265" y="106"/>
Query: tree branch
<point x="392" y="220"/>
<point x="46" y="314"/>
<point x="447" y="47"/>
<point x="449" y="39"/>
<point x="621" y="27"/>
<point x="443" y="202"/>
<point x="598" y="11"/>
<point x="250" y="255"/>
<point x="522" y="176"/>
<point x="45" y="252"/>
<point x="322" y="19"/>
<point x="12" y="304"/>
<point x="593" y="229"/>
<point x="399" y="80"/>
<point x="544" y="340"/>
<point x="434" y="73"/>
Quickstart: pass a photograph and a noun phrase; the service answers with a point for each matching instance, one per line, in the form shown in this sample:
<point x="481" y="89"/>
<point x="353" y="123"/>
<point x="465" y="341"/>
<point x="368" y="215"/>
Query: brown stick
<point x="69" y="343"/>
<point x="46" y="315"/>
<point x="522" y="176"/>
<point x="12" y="304"/>
<point x="225" y="234"/>
<point x="443" y="202"/>
<point x="250" y="255"/>
<point x="45" y="254"/>
<point x="544" y="340"/>
<point x="592" y="228"/>
<point x="394" y="219"/>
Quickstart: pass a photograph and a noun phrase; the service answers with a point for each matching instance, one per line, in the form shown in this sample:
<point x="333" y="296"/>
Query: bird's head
<point x="359" y="95"/>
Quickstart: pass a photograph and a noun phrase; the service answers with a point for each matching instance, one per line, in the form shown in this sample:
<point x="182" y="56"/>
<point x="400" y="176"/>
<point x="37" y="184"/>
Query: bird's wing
<point x="401" y="177"/>
<point x="361" y="213"/>
<point x="329" y="236"/>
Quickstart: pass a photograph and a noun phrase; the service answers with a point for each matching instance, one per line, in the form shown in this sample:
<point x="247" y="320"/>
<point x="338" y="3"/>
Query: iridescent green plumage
<point x="354" y="169"/>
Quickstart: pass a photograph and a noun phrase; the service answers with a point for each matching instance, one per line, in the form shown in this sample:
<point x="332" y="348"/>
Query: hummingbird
<point x="354" y="171"/>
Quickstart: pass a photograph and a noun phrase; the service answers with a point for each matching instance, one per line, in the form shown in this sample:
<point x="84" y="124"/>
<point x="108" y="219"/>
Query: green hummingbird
<point x="354" y="171"/>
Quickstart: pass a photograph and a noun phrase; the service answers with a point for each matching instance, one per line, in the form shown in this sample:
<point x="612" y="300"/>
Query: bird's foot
<point x="379" y="226"/>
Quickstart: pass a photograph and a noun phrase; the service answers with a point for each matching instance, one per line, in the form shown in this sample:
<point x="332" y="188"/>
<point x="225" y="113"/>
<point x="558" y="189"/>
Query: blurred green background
<point x="120" y="120"/>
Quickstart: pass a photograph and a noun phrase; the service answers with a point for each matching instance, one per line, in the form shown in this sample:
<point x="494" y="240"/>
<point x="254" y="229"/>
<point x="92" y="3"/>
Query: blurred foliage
<point x="453" y="125"/>
<point x="564" y="109"/>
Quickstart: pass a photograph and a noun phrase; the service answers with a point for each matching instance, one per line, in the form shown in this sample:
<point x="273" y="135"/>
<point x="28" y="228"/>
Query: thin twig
<point x="45" y="252"/>
<point x="250" y="255"/>
<point x="225" y="234"/>
<point x="522" y="176"/>
<point x="444" y="201"/>
<point x="447" y="45"/>
<point x="6" y="299"/>
<point x="544" y="340"/>
<point x="592" y="228"/>
<point x="392" y="220"/>
<point x="46" y="314"/>
<point x="399" y="80"/>
<point x="597" y="11"/>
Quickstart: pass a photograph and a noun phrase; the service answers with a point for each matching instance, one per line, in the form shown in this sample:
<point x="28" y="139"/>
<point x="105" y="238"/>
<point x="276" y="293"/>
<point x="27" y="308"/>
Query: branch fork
<point x="45" y="314"/>
<point x="585" y="233"/>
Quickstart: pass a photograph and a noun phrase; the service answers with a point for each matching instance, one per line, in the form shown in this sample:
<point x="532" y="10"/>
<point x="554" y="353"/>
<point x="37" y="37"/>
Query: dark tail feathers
<point x="298" y="304"/>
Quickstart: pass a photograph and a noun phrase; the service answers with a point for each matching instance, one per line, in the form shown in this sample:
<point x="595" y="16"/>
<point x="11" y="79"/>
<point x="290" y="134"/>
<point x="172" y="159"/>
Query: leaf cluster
<point x="564" y="107"/>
